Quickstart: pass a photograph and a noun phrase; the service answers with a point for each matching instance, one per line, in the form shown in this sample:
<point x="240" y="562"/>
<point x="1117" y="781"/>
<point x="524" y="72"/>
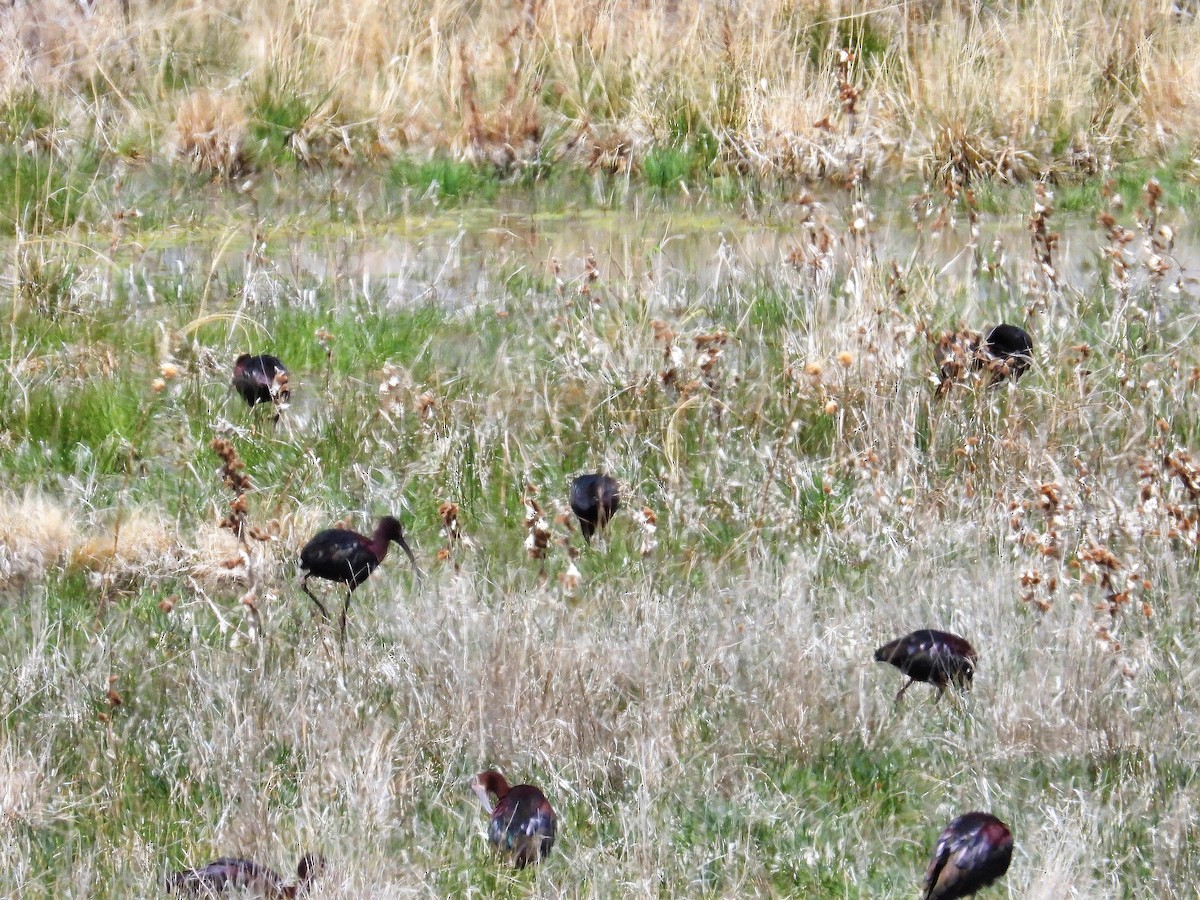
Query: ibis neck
<point x="379" y="543"/>
<point x="498" y="785"/>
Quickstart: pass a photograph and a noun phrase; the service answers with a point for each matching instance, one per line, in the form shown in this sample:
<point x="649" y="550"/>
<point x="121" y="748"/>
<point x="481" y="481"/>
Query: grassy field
<point x="501" y="246"/>
<point x="669" y="92"/>
<point x="697" y="698"/>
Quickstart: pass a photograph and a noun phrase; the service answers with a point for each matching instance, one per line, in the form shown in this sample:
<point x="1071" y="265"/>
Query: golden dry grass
<point x="699" y="702"/>
<point x="1005" y="88"/>
<point x="210" y="134"/>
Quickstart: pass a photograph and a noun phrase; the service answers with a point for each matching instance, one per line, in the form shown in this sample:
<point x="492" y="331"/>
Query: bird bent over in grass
<point x="935" y="657"/>
<point x="523" y="824"/>
<point x="972" y="852"/>
<point x="1007" y="350"/>
<point x="347" y="557"/>
<point x="594" y="500"/>
<point x="260" y="379"/>
<point x="229" y="874"/>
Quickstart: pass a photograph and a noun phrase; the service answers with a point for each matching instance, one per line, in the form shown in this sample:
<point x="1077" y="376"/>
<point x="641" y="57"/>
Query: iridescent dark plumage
<point x="256" y="378"/>
<point x="523" y="824"/>
<point x="972" y="852"/>
<point x="349" y="558"/>
<point x="936" y="657"/>
<point x="228" y="874"/>
<point x="594" y="500"/>
<point x="1007" y="350"/>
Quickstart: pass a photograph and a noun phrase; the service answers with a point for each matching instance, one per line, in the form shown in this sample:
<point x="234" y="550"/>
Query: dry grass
<point x="1002" y="89"/>
<point x="807" y="471"/>
<point x="703" y="711"/>
<point x="210" y="134"/>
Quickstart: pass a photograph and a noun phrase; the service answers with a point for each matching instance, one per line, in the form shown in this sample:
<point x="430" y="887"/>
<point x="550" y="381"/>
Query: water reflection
<point x="466" y="257"/>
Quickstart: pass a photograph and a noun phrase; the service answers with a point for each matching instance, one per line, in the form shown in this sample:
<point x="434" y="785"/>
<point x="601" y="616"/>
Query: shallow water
<point x="486" y="255"/>
<point x="476" y="256"/>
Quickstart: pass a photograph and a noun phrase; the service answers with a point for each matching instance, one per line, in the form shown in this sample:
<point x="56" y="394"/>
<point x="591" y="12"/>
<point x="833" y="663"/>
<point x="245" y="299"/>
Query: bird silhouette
<point x="972" y="852"/>
<point x="594" y="500"/>
<point x="260" y="379"/>
<point x="230" y="874"/>
<point x="349" y="558"/>
<point x="523" y="824"/>
<point x="935" y="657"/>
<point x="1007" y="350"/>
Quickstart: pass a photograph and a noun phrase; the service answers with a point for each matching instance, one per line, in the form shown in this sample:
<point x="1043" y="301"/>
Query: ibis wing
<point x="984" y="849"/>
<point x="226" y="873"/>
<point x="972" y="851"/>
<point x="339" y="555"/>
<point x="344" y="552"/>
<point x="524" y="824"/>
<point x="941" y="855"/>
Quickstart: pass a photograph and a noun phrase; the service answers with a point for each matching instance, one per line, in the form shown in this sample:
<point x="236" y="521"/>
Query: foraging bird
<point x="1006" y="350"/>
<point x="594" y="500"/>
<point x="523" y="823"/>
<point x="228" y="873"/>
<point x="972" y="852"/>
<point x="259" y="379"/>
<point x="935" y="657"/>
<point x="345" y="556"/>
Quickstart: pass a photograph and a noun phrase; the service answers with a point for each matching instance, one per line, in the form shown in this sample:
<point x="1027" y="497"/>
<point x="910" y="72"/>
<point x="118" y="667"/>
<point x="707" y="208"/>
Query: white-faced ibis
<point x="594" y="500"/>
<point x="347" y="557"/>
<point x="1007" y="350"/>
<point x="935" y="657"/>
<point x="229" y="874"/>
<point x="972" y="852"/>
<point x="257" y="378"/>
<point x="523" y="823"/>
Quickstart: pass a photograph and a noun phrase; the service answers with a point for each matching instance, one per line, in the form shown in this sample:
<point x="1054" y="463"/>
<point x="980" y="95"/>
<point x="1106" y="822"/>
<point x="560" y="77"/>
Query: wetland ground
<point x="728" y="295"/>
<point x="696" y="692"/>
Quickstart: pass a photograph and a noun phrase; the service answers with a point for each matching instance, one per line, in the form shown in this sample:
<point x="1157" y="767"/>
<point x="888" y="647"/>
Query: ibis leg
<point x="345" y="609"/>
<point x="320" y="605"/>
<point x="907" y="685"/>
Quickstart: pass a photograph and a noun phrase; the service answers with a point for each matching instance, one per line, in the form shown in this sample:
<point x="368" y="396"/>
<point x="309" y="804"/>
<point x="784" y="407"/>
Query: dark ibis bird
<point x="1007" y="350"/>
<point x="972" y="852"/>
<point x="936" y="657"/>
<point x="230" y="874"/>
<point x="347" y="557"/>
<point x="260" y="379"/>
<point x="594" y="500"/>
<point x="523" y="823"/>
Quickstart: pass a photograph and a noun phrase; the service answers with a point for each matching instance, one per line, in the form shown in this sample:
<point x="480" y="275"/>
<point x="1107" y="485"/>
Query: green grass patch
<point x="42" y="192"/>
<point x="443" y="178"/>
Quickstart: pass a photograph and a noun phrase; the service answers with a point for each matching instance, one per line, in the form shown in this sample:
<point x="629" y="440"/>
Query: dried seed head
<point x="1101" y="557"/>
<point x="570" y="578"/>
<point x="451" y="527"/>
<point x="537" y="541"/>
<point x="426" y="405"/>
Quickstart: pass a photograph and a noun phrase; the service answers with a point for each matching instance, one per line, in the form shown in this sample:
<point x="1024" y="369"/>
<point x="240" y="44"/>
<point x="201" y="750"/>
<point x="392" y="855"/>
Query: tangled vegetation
<point x="742" y="263"/>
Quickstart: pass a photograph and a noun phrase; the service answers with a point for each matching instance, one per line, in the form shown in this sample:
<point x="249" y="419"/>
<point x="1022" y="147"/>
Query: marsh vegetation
<point x="679" y="275"/>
